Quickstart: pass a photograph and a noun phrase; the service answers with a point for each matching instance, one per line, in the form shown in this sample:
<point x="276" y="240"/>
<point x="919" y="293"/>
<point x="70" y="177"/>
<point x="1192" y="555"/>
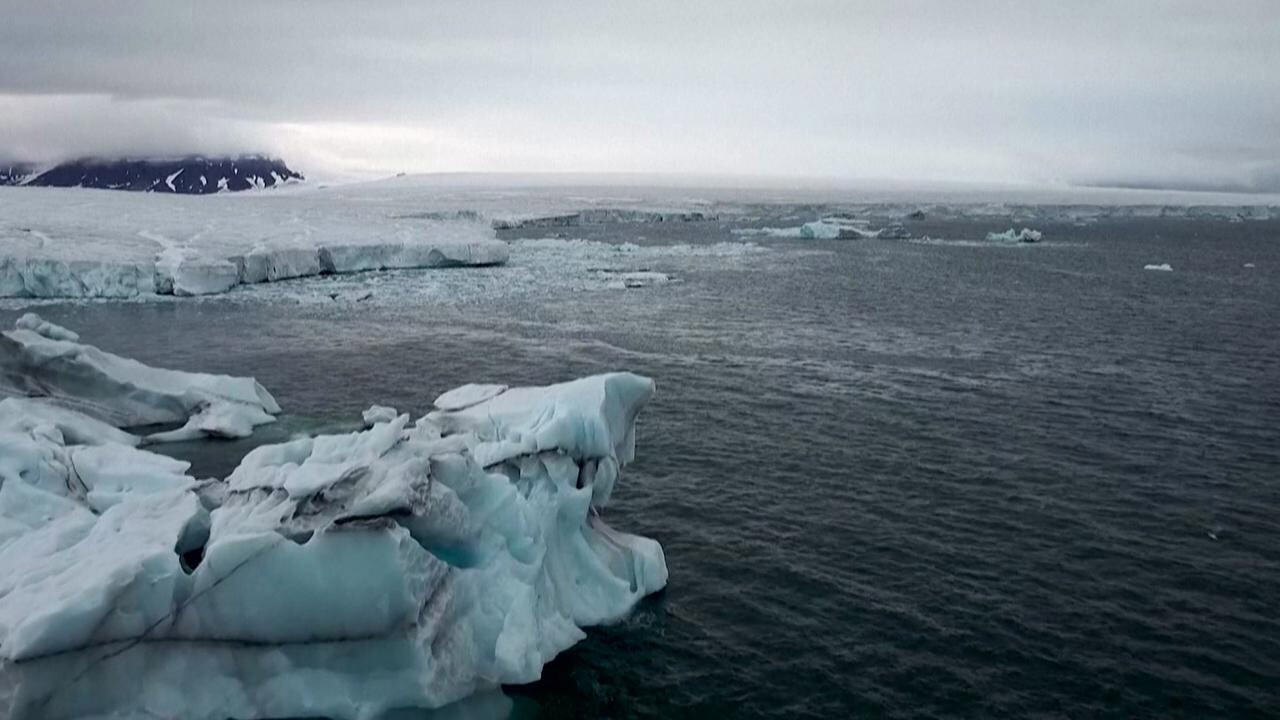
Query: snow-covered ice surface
<point x="41" y="360"/>
<point x="467" y="395"/>
<point x="410" y="564"/>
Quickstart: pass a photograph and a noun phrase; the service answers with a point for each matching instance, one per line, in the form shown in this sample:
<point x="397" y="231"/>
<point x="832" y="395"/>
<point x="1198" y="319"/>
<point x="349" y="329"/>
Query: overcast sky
<point x="1157" y="93"/>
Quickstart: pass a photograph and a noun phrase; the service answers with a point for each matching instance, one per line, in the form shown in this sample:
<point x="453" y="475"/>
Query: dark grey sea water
<point x="892" y="478"/>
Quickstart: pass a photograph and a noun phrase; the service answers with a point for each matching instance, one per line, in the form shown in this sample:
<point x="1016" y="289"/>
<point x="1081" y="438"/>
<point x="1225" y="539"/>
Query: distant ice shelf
<point x="66" y="243"/>
<point x="406" y="565"/>
<point x="597" y="216"/>
<point x="831" y="228"/>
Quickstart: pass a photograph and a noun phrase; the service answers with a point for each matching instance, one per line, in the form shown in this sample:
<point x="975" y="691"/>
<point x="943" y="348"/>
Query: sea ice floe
<point x="631" y="279"/>
<point x="831" y="228"/>
<point x="820" y="230"/>
<point x="406" y="565"/>
<point x="1025" y="235"/>
<point x="378" y="414"/>
<point x="41" y="360"/>
<point x="1163" y="267"/>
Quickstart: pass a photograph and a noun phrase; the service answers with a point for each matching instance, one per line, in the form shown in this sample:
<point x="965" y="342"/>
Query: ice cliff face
<point x="406" y="565"/>
<point x="80" y="244"/>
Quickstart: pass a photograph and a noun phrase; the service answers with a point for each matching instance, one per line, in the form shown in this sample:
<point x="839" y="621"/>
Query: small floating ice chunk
<point x="355" y="297"/>
<point x="629" y="279"/>
<point x="642" y="278"/>
<point x="1162" y="267"/>
<point x="218" y="419"/>
<point x="34" y="323"/>
<point x="378" y="414"/>
<point x="1249" y="265"/>
<point x="468" y="395"/>
<point x="1025" y="235"/>
<point x="820" y="230"/>
<point x="763" y="231"/>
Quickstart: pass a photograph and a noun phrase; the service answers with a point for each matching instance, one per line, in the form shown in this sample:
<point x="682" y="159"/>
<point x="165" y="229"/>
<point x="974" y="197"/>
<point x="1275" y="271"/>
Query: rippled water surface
<point x="892" y="478"/>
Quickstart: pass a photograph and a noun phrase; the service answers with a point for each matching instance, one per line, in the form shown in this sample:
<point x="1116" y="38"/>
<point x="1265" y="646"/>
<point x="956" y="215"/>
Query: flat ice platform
<point x="75" y="243"/>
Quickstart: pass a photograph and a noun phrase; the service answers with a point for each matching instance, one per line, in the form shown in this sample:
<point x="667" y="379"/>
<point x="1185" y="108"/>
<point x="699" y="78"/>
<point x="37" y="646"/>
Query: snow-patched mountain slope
<point x="16" y="173"/>
<point x="195" y="175"/>
<point x="406" y="565"/>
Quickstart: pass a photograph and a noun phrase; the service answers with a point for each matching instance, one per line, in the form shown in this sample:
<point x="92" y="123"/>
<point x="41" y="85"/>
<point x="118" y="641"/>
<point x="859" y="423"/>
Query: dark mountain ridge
<point x="192" y="175"/>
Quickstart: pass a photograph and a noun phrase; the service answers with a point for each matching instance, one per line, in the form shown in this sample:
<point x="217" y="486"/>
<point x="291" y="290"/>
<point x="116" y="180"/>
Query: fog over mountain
<point x="1154" y="94"/>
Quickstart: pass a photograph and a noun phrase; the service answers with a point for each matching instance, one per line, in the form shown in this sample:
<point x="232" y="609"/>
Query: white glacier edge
<point x="185" y="272"/>
<point x="98" y="244"/>
<point x="410" y="564"/>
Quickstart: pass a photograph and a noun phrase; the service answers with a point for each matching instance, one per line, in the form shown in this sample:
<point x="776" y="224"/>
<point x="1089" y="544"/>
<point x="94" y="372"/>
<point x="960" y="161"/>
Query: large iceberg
<point x="409" y="564"/>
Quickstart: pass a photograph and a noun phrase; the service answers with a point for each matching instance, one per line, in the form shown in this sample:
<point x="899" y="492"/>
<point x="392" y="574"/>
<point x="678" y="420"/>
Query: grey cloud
<point x="1018" y="91"/>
